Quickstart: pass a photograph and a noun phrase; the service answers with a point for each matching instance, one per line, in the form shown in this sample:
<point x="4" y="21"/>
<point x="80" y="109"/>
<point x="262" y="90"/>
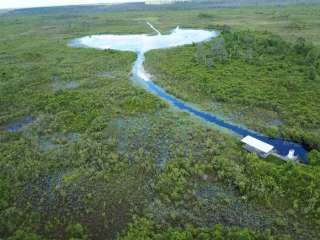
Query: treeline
<point x="238" y="3"/>
<point x="140" y="6"/>
<point x="100" y="153"/>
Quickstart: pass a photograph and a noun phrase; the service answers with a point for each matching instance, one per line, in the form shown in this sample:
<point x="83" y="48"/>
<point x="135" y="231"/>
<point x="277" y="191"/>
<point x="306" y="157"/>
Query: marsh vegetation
<point x="104" y="159"/>
<point x="255" y="78"/>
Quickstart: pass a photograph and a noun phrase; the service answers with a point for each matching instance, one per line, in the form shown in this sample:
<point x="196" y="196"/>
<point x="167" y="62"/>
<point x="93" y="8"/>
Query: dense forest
<point x="87" y="154"/>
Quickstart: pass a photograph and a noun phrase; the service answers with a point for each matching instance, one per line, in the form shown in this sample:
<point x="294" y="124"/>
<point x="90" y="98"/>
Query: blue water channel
<point x="178" y="37"/>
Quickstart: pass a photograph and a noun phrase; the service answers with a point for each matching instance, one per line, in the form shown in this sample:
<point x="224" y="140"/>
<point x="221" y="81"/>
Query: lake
<point x="141" y="43"/>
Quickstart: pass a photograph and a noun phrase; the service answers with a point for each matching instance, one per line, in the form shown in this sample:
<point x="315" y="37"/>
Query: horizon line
<point x="75" y="4"/>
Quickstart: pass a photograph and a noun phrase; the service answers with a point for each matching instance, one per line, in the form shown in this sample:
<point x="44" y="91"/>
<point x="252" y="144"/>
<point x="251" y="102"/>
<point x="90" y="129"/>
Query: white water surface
<point x="141" y="43"/>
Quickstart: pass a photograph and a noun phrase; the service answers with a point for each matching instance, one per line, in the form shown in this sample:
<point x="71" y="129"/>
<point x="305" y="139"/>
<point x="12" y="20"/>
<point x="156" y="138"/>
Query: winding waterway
<point x="142" y="43"/>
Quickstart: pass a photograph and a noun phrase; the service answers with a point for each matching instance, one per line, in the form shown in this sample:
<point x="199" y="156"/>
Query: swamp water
<point x="141" y="43"/>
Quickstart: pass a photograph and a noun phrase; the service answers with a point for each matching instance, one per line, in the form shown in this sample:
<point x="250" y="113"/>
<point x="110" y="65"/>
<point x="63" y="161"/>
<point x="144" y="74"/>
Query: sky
<point x="4" y="4"/>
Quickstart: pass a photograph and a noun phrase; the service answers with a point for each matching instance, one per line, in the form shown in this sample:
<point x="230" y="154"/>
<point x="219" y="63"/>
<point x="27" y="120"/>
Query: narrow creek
<point x="142" y="43"/>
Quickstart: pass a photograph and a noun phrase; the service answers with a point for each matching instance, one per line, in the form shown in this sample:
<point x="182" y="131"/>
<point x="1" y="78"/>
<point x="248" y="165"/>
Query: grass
<point x="263" y="82"/>
<point x="103" y="151"/>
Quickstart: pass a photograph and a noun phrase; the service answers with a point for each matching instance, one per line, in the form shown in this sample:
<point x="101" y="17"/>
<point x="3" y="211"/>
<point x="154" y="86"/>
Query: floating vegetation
<point x="43" y="192"/>
<point x="65" y="85"/>
<point x="223" y="206"/>
<point x="19" y="125"/>
<point x="49" y="143"/>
